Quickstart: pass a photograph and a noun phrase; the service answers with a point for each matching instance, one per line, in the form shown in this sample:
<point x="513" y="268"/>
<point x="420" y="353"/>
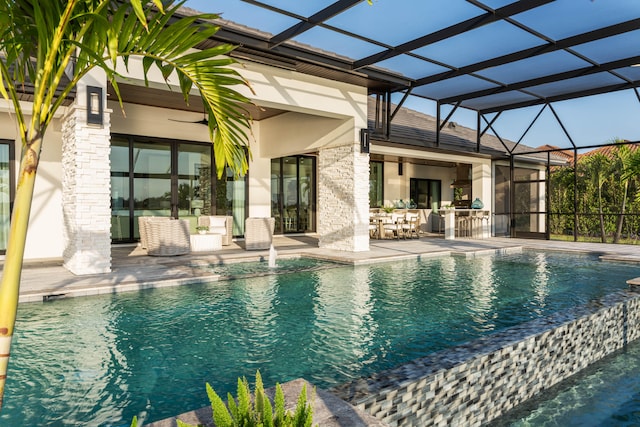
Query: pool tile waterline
<point x="477" y="382"/>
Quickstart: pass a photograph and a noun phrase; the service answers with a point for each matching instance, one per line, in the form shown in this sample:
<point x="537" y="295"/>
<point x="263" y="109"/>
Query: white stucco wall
<point x="45" y="220"/>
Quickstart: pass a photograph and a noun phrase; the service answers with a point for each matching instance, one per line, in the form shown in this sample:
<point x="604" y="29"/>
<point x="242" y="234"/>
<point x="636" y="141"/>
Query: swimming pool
<point x="605" y="394"/>
<point x="101" y="360"/>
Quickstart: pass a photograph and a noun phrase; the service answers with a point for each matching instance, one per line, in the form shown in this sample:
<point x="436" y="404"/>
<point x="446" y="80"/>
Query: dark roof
<point x="418" y="130"/>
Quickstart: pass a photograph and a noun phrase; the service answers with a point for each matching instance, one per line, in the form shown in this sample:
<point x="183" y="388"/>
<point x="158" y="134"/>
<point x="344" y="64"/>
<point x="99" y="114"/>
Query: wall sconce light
<point x="400" y="171"/>
<point x="364" y="140"/>
<point x="94" y="105"/>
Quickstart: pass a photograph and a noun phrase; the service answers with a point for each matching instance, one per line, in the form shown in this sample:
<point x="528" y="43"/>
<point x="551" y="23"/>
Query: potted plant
<point x="202" y="229"/>
<point x="388" y="209"/>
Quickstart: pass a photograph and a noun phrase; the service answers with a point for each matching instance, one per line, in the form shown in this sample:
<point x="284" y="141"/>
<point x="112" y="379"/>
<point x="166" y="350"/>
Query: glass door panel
<point x="425" y="193"/>
<point x="151" y="181"/>
<point x="306" y="186"/>
<point x="231" y="199"/>
<point x="434" y="194"/>
<point x="120" y="215"/>
<point x="290" y="194"/>
<point x="194" y="182"/>
<point x="293" y="194"/>
<point x="5" y="195"/>
<point x="276" y="194"/>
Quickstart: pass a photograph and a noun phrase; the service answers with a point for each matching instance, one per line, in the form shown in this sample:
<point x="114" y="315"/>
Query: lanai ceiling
<point x="488" y="56"/>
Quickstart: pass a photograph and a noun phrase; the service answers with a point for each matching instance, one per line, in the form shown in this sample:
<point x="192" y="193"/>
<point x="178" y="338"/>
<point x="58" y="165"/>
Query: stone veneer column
<point x="86" y="193"/>
<point x="343" y="198"/>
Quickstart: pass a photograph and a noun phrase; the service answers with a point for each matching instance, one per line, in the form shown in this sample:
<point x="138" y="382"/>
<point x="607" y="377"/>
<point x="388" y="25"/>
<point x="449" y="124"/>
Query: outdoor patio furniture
<point x="142" y="228"/>
<point x="463" y="224"/>
<point x="480" y="223"/>
<point x="164" y="236"/>
<point x="258" y="233"/>
<point x="219" y="224"/>
<point x="392" y="225"/>
<point x="374" y="226"/>
<point x="411" y="225"/>
<point x="206" y="242"/>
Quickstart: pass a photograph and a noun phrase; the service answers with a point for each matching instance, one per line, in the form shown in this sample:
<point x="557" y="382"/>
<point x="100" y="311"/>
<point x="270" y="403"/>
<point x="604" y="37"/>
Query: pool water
<point x="261" y="268"/>
<point x="605" y="394"/>
<point x="101" y="360"/>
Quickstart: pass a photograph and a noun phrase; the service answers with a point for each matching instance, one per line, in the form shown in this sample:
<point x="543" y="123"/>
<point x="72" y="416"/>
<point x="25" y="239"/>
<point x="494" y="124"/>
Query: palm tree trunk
<point x="617" y="235"/>
<point x="603" y="238"/>
<point x="10" y="284"/>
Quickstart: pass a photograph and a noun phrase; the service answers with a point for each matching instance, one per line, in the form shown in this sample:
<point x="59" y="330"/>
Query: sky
<point x="588" y="121"/>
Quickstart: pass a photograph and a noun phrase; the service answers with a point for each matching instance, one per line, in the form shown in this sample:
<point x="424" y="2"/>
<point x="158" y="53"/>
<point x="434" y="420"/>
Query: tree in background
<point x="624" y="174"/>
<point x="50" y="45"/>
<point x="598" y="167"/>
<point x="607" y="185"/>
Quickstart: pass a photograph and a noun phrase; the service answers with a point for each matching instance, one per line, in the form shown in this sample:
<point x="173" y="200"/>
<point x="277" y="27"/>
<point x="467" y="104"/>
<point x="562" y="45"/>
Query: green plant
<point x="202" y="227"/>
<point x="256" y="412"/>
<point x="388" y="209"/>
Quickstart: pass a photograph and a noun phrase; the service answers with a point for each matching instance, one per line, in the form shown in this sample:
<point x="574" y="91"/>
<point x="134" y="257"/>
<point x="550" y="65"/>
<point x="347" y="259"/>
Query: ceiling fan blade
<point x="201" y="121"/>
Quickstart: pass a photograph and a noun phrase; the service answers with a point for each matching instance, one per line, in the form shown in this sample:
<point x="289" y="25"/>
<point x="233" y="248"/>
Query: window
<point x="6" y="191"/>
<point x="293" y="194"/>
<point x="376" y="184"/>
<point x="159" y="177"/>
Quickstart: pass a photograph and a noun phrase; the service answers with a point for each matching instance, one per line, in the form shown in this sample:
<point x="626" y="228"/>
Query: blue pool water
<point x="605" y="394"/>
<point x="101" y="360"/>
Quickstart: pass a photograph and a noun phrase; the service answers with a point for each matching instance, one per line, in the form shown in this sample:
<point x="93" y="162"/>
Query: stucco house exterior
<point x="309" y="168"/>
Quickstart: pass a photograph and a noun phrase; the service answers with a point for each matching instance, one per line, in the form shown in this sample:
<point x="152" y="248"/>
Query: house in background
<point x="310" y="167"/>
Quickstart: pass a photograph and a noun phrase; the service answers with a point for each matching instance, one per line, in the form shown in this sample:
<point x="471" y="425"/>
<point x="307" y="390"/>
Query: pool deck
<point x="132" y="269"/>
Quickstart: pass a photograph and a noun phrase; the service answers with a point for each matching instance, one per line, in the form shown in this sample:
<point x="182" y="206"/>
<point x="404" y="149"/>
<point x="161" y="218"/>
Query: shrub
<point x="256" y="412"/>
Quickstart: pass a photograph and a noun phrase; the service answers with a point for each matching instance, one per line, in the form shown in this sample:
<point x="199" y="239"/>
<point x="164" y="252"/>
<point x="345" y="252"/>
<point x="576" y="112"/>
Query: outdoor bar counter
<point x="473" y="223"/>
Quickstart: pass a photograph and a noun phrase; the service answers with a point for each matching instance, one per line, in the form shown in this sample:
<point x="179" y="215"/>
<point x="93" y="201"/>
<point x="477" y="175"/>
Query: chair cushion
<point x="217" y="230"/>
<point x="217" y="222"/>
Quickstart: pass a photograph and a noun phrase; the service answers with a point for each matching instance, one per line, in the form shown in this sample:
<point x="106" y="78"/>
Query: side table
<point x="206" y="242"/>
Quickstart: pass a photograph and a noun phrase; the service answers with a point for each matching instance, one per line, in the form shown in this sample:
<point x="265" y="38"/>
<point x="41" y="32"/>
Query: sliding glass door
<point x="426" y="193"/>
<point x="293" y="185"/>
<point x="194" y="189"/>
<point x="6" y="192"/>
<point x="231" y="199"/>
<point x="168" y="178"/>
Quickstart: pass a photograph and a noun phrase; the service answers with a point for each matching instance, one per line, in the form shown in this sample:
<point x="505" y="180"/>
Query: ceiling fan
<point x="203" y="121"/>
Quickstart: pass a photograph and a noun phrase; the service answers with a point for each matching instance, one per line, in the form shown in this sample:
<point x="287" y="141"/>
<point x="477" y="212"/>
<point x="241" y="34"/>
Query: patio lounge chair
<point x="219" y="224"/>
<point x="162" y="236"/>
<point x="258" y="233"/>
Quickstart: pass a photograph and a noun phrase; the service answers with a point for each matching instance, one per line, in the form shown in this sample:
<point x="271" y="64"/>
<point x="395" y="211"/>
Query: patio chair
<point x="411" y="225"/>
<point x="258" y="233"/>
<point x="142" y="228"/>
<point x="374" y="226"/>
<point x="166" y="236"/>
<point x="392" y="225"/>
<point x="219" y="224"/>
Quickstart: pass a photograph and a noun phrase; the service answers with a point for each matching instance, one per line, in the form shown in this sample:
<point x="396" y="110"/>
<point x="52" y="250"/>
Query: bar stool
<point x="463" y="224"/>
<point x="480" y="219"/>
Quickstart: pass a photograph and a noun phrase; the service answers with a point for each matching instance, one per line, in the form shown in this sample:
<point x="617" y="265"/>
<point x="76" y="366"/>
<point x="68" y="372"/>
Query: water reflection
<point x="101" y="360"/>
<point x="483" y="293"/>
<point x="70" y="353"/>
<point x="541" y="281"/>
